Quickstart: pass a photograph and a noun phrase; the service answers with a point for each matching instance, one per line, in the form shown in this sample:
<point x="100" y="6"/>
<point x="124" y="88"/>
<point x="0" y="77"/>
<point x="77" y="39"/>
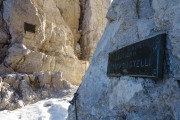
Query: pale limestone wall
<point x="51" y="47"/>
<point x="71" y="12"/>
<point x="34" y="65"/>
<point x="57" y="34"/>
<point x="92" y="25"/>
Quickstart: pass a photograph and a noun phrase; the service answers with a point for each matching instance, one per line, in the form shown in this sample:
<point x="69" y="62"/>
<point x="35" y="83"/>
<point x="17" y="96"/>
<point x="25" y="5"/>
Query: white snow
<point x="49" y="109"/>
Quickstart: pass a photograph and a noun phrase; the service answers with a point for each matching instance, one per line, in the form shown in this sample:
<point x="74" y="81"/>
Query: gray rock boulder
<point x="127" y="98"/>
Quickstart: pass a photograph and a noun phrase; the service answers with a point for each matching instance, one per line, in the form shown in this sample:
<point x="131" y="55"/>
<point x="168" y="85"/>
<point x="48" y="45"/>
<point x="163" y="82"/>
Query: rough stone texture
<point x="70" y="10"/>
<point x="92" y="25"/>
<point x="21" y="59"/>
<point x="53" y="40"/>
<point x="59" y="27"/>
<point x="129" y="98"/>
<point x="18" y="89"/>
<point x="39" y="45"/>
<point x="4" y="35"/>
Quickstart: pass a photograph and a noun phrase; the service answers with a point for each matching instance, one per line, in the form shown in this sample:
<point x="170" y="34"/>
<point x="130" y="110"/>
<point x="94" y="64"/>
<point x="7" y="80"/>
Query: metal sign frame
<point x="141" y="59"/>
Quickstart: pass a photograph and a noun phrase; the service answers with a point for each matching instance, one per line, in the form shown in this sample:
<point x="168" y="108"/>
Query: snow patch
<point x="49" y="109"/>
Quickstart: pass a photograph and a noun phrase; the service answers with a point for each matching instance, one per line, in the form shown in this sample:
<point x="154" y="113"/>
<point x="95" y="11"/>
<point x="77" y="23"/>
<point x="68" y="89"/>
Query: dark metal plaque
<point x="143" y="59"/>
<point x="29" y="27"/>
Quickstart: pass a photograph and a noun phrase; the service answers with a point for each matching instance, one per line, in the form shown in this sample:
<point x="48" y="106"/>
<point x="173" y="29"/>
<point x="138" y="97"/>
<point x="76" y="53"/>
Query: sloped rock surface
<point x="129" y="98"/>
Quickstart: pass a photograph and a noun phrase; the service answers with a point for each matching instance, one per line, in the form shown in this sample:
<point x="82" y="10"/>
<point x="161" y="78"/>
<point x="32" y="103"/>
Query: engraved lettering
<point x="142" y="58"/>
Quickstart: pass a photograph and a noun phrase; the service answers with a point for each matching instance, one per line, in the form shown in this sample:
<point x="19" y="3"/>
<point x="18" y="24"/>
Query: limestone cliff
<point x="45" y="36"/>
<point x="40" y="47"/>
<point x="50" y="47"/>
<point x="128" y="98"/>
<point x="92" y="25"/>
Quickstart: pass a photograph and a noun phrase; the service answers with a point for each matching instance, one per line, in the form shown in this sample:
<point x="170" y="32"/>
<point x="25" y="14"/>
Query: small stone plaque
<point x="29" y="27"/>
<point x="143" y="59"/>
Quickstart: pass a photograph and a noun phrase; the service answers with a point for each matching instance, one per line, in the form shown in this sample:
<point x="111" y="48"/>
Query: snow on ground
<point x="49" y="109"/>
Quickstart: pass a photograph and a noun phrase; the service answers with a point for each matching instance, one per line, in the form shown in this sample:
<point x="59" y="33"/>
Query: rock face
<point x="39" y="45"/>
<point x="51" y="46"/>
<point x="129" y="98"/>
<point x="44" y="35"/>
<point x="18" y="90"/>
<point x="92" y="25"/>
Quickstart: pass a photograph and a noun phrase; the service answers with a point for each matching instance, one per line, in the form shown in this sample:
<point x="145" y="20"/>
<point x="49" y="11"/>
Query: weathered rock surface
<point x="39" y="45"/>
<point x="129" y="98"/>
<point x="92" y="25"/>
<point x="53" y="42"/>
<point x="71" y="12"/>
<point x="21" y="89"/>
<point x="38" y="35"/>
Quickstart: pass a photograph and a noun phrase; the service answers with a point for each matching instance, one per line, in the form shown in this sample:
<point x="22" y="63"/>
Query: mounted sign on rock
<point x="29" y="27"/>
<point x="144" y="59"/>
